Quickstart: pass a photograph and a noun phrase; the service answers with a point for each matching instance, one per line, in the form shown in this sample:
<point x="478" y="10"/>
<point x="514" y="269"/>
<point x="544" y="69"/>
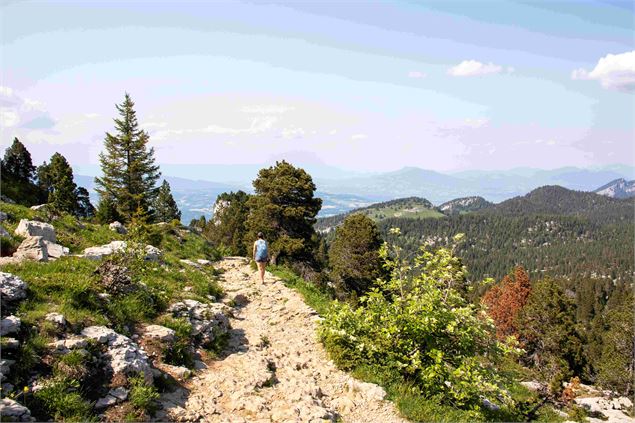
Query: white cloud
<point x="359" y="137"/>
<point x="476" y="122"/>
<point x="9" y="117"/>
<point x="417" y="74"/>
<point x="292" y="132"/>
<point x="267" y="109"/>
<point x="614" y="71"/>
<point x="474" y="68"/>
<point x="6" y="91"/>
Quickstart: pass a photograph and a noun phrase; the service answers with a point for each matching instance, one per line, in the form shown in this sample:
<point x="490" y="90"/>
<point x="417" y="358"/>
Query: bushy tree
<point x="416" y="324"/>
<point x="284" y="209"/>
<point x="354" y="256"/>
<point x="549" y="334"/>
<point x="164" y="206"/>
<point x="505" y="301"/>
<point x="17" y="164"/>
<point x="62" y="195"/>
<point x="227" y="226"/>
<point x="127" y="164"/>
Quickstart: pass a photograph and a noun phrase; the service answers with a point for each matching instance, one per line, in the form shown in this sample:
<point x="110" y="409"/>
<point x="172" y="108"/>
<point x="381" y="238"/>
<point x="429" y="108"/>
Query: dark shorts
<point x="262" y="261"/>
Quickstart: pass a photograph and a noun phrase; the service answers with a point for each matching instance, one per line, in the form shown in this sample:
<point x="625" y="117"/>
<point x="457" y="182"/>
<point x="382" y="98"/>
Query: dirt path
<point x="274" y="368"/>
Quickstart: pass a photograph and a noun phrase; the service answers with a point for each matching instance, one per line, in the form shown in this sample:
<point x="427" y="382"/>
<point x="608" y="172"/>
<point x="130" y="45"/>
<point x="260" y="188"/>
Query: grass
<point x="315" y="298"/>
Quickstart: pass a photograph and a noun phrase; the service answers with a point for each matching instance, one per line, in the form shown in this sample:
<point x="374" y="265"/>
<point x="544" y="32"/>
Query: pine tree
<point x="165" y="208"/>
<point x="284" y="210"/>
<point x="129" y="171"/>
<point x="62" y="196"/>
<point x="354" y="256"/>
<point x="17" y="164"/>
<point x="84" y="206"/>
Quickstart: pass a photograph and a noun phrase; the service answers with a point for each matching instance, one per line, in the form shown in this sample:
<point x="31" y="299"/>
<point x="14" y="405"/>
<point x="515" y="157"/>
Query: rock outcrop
<point x="12" y="289"/>
<point x="27" y="228"/>
<point x="118" y="227"/>
<point x="152" y="253"/>
<point x="124" y="355"/>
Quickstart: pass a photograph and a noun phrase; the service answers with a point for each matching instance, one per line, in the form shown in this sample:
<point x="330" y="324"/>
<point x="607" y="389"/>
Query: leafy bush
<point x="418" y="324"/>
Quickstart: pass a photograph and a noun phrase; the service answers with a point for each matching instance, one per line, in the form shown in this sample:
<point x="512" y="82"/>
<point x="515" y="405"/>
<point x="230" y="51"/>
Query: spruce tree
<point x="165" y="208"/>
<point x="17" y="164"/>
<point x="62" y="196"/>
<point x="107" y="210"/>
<point x="227" y="227"/>
<point x="84" y="207"/>
<point x="127" y="164"/>
<point x="354" y="256"/>
<point x="284" y="210"/>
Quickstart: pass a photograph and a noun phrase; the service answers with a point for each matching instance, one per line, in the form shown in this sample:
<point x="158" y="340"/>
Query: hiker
<point x="261" y="255"/>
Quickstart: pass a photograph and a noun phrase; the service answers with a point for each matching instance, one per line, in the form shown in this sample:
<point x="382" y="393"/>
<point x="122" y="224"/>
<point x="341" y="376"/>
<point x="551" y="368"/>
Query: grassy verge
<point x="315" y="298"/>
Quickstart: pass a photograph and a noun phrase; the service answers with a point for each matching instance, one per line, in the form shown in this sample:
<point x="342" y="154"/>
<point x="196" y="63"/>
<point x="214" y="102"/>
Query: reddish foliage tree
<point x="505" y="300"/>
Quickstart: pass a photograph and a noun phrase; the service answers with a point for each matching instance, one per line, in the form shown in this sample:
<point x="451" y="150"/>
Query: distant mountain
<point x="407" y="208"/>
<point x="556" y="200"/>
<point x="464" y="205"/>
<point x="619" y="188"/>
<point x="492" y="185"/>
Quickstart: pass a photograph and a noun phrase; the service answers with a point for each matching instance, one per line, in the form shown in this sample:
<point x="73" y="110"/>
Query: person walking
<point x="261" y="255"/>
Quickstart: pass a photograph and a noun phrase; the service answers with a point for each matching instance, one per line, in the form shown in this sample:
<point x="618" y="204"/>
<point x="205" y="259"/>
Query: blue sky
<point x="368" y="86"/>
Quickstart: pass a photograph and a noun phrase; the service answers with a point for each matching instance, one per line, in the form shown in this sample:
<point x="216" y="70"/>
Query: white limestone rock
<point x="32" y="248"/>
<point x="99" y="252"/>
<point x="159" y="332"/>
<point x="13" y="411"/>
<point x="56" y="318"/>
<point x="55" y="251"/>
<point x="28" y="228"/>
<point x="208" y="320"/>
<point x="118" y="227"/>
<point x="12" y="288"/>
<point x="125" y="356"/>
<point x="10" y="324"/>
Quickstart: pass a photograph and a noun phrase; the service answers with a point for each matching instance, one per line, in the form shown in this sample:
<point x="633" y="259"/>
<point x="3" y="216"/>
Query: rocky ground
<point x="274" y="368"/>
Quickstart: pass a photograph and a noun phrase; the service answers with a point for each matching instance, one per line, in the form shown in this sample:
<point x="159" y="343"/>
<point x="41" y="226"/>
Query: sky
<point x="364" y="86"/>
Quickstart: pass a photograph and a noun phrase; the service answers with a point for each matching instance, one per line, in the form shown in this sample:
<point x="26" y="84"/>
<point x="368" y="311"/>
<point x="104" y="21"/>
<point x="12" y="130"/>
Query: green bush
<point x="60" y="399"/>
<point x="142" y="396"/>
<point x="418" y="325"/>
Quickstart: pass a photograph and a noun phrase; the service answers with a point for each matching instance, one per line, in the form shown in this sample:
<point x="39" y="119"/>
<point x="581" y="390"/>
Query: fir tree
<point x="17" y="164"/>
<point x="165" y="208"/>
<point x="127" y="164"/>
<point x="354" y="255"/>
<point x="227" y="227"/>
<point x="107" y="210"/>
<point x="62" y="196"/>
<point x="84" y="206"/>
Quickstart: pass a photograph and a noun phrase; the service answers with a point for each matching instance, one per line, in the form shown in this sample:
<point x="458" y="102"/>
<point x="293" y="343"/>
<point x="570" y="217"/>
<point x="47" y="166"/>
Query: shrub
<point x="419" y="325"/>
<point x="59" y="398"/>
<point x="142" y="396"/>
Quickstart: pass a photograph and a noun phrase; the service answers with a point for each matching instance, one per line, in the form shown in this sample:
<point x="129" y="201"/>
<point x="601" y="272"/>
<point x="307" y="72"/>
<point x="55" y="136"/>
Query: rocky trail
<point x="274" y="368"/>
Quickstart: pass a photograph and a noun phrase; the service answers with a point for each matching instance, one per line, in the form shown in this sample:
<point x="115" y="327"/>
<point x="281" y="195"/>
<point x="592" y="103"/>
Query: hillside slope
<point x="406" y="208"/>
<point x="619" y="188"/>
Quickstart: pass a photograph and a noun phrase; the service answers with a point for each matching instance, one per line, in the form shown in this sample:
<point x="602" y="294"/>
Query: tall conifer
<point x="165" y="208"/>
<point x="127" y="164"/>
<point x="62" y="197"/>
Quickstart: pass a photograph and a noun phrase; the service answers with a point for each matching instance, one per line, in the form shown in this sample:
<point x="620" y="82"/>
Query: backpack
<point x="262" y="253"/>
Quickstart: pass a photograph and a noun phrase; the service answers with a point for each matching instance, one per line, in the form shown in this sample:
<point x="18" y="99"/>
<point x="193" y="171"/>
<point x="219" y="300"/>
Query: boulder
<point x="28" y="228"/>
<point x="152" y="253"/>
<point x="10" y="343"/>
<point x="56" y="318"/>
<point x="203" y="262"/>
<point x="6" y="199"/>
<point x="118" y="227"/>
<point x="159" y="332"/>
<point x="10" y="324"/>
<point x="3" y="216"/>
<point x="4" y="233"/>
<point x="124" y="355"/>
<point x="32" y="248"/>
<point x="97" y="253"/>
<point x="533" y="385"/>
<point x="64" y="346"/>
<point x="190" y="263"/>
<point x="55" y="251"/>
<point x="12" y="288"/>
<point x="39" y="207"/>
<point x="13" y="411"/>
